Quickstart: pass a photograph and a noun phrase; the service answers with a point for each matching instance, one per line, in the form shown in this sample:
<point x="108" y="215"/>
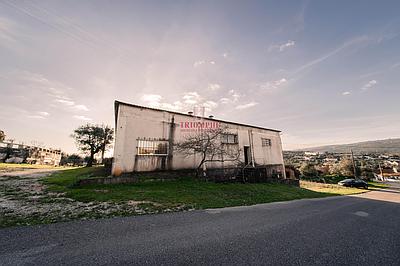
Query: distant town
<point x="320" y="165"/>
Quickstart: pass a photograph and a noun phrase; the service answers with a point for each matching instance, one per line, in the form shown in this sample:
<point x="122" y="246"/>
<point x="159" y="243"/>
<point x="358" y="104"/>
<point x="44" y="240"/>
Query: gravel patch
<point x="24" y="200"/>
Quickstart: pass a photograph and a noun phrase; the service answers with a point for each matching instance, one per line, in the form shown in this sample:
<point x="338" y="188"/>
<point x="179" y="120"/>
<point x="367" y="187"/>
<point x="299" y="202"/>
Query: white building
<point x="145" y="138"/>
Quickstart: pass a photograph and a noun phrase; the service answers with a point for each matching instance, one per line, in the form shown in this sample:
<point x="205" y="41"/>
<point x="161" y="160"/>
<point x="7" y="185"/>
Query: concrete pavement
<point x="350" y="230"/>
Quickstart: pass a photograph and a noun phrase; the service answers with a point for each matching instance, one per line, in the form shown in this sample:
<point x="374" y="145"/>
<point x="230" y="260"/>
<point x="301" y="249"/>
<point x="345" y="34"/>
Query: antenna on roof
<point x="199" y="111"/>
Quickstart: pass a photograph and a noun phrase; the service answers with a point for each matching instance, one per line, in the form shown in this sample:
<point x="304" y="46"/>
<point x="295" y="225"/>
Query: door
<point x="247" y="156"/>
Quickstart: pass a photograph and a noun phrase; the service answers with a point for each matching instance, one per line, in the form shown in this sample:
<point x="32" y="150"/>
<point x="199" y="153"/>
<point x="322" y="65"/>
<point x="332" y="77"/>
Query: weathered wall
<point x="136" y="122"/>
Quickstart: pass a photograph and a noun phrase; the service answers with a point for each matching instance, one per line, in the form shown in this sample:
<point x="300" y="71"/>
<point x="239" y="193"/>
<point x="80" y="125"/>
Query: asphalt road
<point x="356" y="230"/>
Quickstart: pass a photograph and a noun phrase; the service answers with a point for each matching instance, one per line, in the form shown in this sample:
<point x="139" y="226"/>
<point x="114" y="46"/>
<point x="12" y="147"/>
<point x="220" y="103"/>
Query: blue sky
<point x="323" y="72"/>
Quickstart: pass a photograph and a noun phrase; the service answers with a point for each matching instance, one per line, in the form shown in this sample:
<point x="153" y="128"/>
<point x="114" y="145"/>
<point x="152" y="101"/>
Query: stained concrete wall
<point x="140" y="122"/>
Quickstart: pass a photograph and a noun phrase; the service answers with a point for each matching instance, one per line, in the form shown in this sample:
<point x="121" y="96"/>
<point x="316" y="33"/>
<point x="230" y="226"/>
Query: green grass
<point x="332" y="189"/>
<point x="185" y="191"/>
<point x="376" y="185"/>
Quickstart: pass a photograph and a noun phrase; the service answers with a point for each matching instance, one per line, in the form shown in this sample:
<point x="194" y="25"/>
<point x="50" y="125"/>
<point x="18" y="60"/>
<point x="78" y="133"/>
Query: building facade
<point x="145" y="139"/>
<point x="11" y="152"/>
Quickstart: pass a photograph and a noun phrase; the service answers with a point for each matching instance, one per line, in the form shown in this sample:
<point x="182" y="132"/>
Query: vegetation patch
<point x="332" y="189"/>
<point x="27" y="200"/>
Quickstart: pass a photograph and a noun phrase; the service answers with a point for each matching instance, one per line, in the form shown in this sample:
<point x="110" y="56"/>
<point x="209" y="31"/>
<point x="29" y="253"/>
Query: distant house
<point x="145" y="139"/>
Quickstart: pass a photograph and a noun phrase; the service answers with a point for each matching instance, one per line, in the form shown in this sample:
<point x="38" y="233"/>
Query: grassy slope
<point x="188" y="192"/>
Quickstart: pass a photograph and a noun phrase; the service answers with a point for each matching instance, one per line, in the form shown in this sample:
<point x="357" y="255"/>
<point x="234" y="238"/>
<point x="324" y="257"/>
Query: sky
<point x="322" y="72"/>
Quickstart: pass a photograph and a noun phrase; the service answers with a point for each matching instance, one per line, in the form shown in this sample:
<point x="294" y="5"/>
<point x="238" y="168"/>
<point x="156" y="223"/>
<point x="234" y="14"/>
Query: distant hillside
<point x="377" y="146"/>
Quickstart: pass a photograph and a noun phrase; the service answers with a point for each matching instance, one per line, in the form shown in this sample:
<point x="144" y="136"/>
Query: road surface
<point x="350" y="230"/>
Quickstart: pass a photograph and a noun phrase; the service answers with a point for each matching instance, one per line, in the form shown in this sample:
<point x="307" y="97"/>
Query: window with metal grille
<point x="152" y="147"/>
<point x="266" y="142"/>
<point x="229" y="138"/>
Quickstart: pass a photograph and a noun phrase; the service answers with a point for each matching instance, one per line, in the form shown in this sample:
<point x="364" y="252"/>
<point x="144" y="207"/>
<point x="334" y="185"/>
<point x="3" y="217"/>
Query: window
<point x="266" y="142"/>
<point x="229" y="138"/>
<point x="152" y="147"/>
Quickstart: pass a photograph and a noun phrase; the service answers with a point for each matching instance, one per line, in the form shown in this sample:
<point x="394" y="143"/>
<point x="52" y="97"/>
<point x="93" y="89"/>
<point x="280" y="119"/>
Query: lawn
<point x="28" y="200"/>
<point x="187" y="192"/>
<point x="377" y="185"/>
<point x="330" y="188"/>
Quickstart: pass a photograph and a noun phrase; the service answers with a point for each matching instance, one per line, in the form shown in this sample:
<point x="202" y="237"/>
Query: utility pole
<point x="354" y="164"/>
<point x="380" y="169"/>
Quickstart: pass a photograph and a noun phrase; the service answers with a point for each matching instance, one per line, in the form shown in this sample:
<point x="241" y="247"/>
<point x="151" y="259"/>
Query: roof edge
<point x="117" y="103"/>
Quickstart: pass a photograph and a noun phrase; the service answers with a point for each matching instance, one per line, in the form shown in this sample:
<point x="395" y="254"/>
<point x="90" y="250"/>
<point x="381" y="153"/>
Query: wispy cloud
<point x="198" y="63"/>
<point x="354" y="41"/>
<point x="57" y="91"/>
<point x="36" y="116"/>
<point x="42" y="113"/>
<point x="65" y="102"/>
<point x="369" y="85"/>
<point x="286" y="45"/>
<point x="270" y="85"/>
<point x="203" y="62"/>
<point x="6" y="31"/>
<point x="191" y="98"/>
<point x="214" y="86"/>
<point x="346" y="93"/>
<point x="246" y="106"/>
<point x="81" y="107"/>
<point x="82" y="117"/>
<point x="188" y="101"/>
<point x="282" y="46"/>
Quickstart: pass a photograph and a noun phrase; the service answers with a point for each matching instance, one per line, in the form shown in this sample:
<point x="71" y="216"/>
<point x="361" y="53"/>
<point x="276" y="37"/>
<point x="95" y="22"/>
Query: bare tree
<point x="207" y="143"/>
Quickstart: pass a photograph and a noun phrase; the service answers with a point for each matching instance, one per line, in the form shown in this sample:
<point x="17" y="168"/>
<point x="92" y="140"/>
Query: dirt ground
<point x="24" y="200"/>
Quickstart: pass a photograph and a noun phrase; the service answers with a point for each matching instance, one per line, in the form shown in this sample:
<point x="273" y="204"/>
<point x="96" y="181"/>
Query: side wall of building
<point x="135" y="123"/>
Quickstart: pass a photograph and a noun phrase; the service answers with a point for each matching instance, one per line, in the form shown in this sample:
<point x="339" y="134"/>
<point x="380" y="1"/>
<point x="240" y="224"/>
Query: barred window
<point x="229" y="138"/>
<point x="152" y="147"/>
<point x="266" y="142"/>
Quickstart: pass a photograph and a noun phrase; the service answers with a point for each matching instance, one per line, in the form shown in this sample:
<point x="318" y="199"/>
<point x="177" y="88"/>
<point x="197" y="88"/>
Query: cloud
<point x="43" y="113"/>
<point x="57" y="91"/>
<point x="191" y="98"/>
<point x="225" y="55"/>
<point x="232" y="97"/>
<point x="71" y="104"/>
<point x="210" y="104"/>
<point x="81" y="107"/>
<point x="281" y="47"/>
<point x="286" y="45"/>
<point x="202" y="62"/>
<point x="214" y="86"/>
<point x="10" y="35"/>
<point x="346" y="93"/>
<point x="36" y="116"/>
<point x="188" y="101"/>
<point x="224" y="100"/>
<point x="246" y="106"/>
<point x="82" y="117"/>
<point x="274" y="84"/>
<point x="354" y="41"/>
<point x="151" y="99"/>
<point x="65" y="102"/>
<point x="369" y="85"/>
<point x="198" y="63"/>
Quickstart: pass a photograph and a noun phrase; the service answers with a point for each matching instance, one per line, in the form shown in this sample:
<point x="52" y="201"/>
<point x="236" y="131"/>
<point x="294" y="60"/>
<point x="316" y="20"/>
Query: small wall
<point x="261" y="174"/>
